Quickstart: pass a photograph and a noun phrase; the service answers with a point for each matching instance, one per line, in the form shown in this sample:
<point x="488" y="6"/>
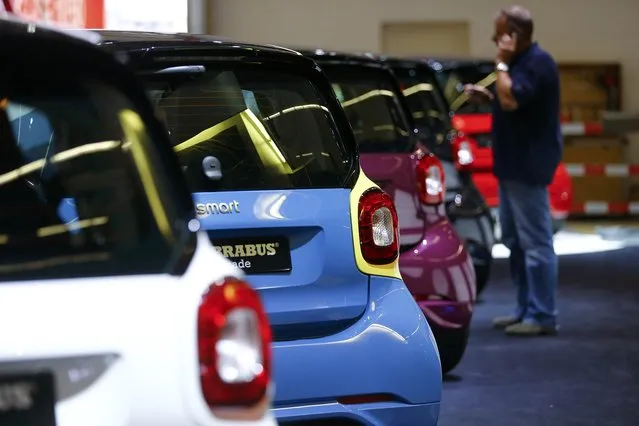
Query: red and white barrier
<point x="581" y="129"/>
<point x="601" y="208"/>
<point x="608" y="170"/>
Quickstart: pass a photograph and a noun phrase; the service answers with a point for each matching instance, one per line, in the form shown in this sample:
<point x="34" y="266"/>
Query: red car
<point x="473" y="124"/>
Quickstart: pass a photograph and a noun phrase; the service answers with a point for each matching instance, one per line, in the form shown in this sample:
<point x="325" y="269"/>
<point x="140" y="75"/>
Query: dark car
<point x="273" y="167"/>
<point x="465" y="205"/>
<point x="434" y="262"/>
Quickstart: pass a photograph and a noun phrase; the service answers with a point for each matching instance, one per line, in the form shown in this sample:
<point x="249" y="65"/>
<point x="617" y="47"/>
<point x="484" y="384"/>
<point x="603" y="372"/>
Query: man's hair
<point x="521" y="18"/>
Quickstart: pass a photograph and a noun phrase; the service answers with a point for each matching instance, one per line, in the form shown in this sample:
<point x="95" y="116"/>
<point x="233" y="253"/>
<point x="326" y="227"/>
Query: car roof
<point x="436" y="63"/>
<point x="14" y="26"/>
<point x="405" y="62"/>
<point x="460" y="61"/>
<point x="141" y="40"/>
<point x="336" y="56"/>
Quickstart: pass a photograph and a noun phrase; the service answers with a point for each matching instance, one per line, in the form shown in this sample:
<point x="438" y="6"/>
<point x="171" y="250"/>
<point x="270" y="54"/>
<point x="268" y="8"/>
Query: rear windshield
<point x="371" y="105"/>
<point x="425" y="101"/>
<point x="248" y="128"/>
<point x="453" y="80"/>
<point x="79" y="191"/>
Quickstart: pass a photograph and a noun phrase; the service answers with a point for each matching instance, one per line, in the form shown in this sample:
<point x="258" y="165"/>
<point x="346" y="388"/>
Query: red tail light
<point x="378" y="227"/>
<point x="234" y="343"/>
<point x="7" y="6"/>
<point x="430" y="179"/>
<point x="463" y="154"/>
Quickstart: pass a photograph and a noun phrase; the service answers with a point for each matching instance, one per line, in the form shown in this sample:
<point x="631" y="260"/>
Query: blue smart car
<point x="273" y="167"/>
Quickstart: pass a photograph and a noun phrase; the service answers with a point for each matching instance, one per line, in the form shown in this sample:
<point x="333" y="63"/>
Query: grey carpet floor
<point x="587" y="375"/>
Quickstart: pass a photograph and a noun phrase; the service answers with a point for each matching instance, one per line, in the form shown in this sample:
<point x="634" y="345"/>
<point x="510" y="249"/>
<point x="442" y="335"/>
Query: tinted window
<point x="77" y="185"/>
<point x="426" y="104"/>
<point x="453" y="80"/>
<point x="248" y="129"/>
<point x="371" y="105"/>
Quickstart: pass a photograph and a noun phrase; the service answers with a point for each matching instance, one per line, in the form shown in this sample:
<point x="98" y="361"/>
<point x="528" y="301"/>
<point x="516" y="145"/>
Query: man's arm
<point x="478" y="94"/>
<point x="503" y="88"/>
<point x="516" y="89"/>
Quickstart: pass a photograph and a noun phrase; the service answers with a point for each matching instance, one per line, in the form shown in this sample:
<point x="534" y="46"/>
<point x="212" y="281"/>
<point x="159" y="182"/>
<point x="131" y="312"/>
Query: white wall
<point x="576" y="30"/>
<point x="146" y="15"/>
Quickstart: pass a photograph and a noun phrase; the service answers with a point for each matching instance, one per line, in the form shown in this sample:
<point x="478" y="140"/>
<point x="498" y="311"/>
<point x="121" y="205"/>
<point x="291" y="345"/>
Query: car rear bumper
<point x="446" y="314"/>
<point x="380" y="414"/>
<point x="439" y="272"/>
<point x="390" y="351"/>
<point x="471" y="217"/>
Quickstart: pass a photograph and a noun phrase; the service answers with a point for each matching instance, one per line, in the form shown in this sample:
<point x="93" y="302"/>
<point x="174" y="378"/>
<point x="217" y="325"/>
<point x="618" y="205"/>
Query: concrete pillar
<point x="199" y="16"/>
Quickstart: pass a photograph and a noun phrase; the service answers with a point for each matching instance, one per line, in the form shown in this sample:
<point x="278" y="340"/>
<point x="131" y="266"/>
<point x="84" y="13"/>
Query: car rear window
<point x="425" y="101"/>
<point x="370" y="101"/>
<point x="248" y="128"/>
<point x="453" y="80"/>
<point x="77" y="185"/>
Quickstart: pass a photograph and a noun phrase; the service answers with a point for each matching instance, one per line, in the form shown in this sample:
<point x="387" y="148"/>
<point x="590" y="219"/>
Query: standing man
<point x="527" y="148"/>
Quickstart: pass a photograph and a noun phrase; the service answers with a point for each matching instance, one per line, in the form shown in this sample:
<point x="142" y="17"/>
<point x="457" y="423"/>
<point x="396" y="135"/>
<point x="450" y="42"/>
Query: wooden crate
<point x="589" y="89"/>
<point x="597" y="150"/>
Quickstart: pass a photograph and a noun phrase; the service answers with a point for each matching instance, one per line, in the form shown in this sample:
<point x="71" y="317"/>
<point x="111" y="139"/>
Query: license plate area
<point x="257" y="255"/>
<point x="27" y="399"/>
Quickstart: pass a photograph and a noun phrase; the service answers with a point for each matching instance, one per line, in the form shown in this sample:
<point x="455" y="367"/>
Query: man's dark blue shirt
<point x="527" y="142"/>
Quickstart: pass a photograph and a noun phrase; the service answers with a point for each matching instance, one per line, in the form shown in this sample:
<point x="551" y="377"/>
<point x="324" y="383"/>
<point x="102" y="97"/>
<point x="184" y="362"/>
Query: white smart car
<point x="114" y="309"/>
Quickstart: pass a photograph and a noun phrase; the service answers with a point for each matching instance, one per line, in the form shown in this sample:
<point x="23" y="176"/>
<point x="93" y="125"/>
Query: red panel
<point x="94" y="14"/>
<point x="560" y="191"/>
<point x="65" y="13"/>
<point x="473" y="123"/>
<point x="487" y="185"/>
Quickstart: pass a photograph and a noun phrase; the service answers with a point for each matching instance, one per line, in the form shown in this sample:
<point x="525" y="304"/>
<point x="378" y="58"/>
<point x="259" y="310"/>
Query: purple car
<point x="433" y="260"/>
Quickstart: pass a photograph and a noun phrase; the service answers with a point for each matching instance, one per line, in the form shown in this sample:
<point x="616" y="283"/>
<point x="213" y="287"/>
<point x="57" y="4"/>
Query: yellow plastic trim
<point x="133" y="128"/>
<point x="391" y="270"/>
<point x="246" y="121"/>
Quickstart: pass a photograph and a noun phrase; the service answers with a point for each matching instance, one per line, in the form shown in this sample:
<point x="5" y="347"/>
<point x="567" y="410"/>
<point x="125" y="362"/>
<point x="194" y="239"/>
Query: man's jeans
<point x="526" y="226"/>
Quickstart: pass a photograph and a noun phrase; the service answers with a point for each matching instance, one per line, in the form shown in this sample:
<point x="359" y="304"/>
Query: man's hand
<point x="506" y="48"/>
<point x="478" y="94"/>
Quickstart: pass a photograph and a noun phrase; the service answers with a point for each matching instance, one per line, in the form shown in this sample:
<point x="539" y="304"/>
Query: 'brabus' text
<point x="240" y="254"/>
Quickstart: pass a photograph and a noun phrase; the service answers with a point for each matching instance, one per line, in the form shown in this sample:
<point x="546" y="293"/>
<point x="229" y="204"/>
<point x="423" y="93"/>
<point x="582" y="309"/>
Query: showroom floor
<point x="588" y="375"/>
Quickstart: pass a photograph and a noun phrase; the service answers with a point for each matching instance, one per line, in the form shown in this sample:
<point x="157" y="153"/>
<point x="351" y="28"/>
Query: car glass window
<point x="248" y="128"/>
<point x="427" y="107"/>
<point x="76" y="185"/>
<point x="372" y="107"/>
<point x="455" y="78"/>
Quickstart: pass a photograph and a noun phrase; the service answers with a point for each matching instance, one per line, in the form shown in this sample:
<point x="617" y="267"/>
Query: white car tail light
<point x="234" y="342"/>
<point x="463" y="152"/>
<point x="378" y="227"/>
<point x="430" y="179"/>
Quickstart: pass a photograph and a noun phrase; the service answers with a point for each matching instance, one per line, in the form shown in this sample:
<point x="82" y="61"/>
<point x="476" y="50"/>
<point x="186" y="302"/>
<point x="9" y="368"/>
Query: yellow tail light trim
<point x="391" y="270"/>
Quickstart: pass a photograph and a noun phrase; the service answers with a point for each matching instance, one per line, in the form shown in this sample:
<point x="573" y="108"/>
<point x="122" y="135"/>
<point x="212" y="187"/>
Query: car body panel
<point x="434" y="261"/>
<point x="324" y="283"/>
<point x="405" y="366"/>
<point x="106" y="365"/>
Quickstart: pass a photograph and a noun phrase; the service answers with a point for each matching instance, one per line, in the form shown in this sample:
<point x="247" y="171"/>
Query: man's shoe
<point x="527" y="329"/>
<point x="503" y="322"/>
